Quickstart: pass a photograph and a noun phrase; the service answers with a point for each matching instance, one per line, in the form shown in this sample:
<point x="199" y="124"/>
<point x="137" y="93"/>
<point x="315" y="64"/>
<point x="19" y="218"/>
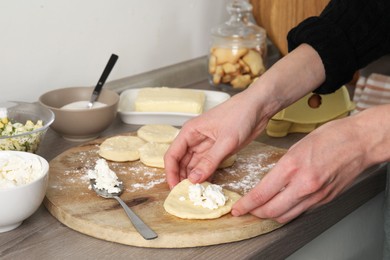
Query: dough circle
<point x="152" y="154"/>
<point x="228" y="162"/>
<point x="158" y="133"/>
<point x="186" y="208"/>
<point x="121" y="148"/>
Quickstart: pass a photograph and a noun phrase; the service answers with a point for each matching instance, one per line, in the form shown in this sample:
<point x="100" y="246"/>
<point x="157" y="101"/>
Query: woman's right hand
<point x="206" y="140"/>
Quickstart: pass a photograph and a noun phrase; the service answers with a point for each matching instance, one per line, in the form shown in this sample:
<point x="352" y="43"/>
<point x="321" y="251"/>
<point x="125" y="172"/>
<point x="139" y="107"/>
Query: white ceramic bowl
<point x="20" y="202"/>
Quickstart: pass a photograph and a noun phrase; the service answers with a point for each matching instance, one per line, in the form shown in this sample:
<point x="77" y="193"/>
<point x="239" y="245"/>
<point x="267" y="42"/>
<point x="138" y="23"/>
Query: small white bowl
<point x="20" y="202"/>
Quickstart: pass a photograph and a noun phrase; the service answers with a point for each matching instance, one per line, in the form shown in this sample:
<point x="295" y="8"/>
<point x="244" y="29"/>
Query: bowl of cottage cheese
<point x="24" y="178"/>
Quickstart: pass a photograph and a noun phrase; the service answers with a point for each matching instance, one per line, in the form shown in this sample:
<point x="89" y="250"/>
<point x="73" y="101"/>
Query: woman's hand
<point x="319" y="167"/>
<point x="205" y="141"/>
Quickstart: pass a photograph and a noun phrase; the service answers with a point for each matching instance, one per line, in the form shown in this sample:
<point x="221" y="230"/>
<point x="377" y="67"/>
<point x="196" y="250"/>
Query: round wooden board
<point x="69" y="199"/>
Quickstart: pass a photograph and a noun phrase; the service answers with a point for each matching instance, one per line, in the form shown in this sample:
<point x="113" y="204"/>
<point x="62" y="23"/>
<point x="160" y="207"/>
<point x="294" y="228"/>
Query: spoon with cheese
<point x="145" y="231"/>
<point x="107" y="185"/>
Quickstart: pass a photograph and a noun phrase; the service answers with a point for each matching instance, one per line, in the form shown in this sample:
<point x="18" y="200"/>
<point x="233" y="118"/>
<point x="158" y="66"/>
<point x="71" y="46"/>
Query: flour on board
<point x="254" y="166"/>
<point x="145" y="178"/>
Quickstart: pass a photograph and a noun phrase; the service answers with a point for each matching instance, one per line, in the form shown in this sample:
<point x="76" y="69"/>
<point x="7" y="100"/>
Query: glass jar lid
<point x="240" y="25"/>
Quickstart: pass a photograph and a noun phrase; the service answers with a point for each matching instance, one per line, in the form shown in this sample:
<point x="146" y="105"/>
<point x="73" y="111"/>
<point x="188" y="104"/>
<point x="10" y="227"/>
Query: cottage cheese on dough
<point x="105" y="178"/>
<point x="214" y="203"/>
<point x="211" y="197"/>
<point x="17" y="171"/>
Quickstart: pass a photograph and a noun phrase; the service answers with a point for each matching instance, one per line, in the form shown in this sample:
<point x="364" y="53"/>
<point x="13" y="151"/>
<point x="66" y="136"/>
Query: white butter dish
<point x="130" y="116"/>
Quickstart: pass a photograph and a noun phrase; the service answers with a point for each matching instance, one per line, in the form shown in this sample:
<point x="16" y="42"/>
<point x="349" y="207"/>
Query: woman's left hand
<point x="313" y="172"/>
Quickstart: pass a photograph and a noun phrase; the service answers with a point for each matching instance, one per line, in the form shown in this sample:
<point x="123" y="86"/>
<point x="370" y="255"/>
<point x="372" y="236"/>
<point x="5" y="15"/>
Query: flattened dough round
<point x="186" y="208"/>
<point x="228" y="162"/>
<point x="152" y="154"/>
<point x="158" y="133"/>
<point x="121" y="148"/>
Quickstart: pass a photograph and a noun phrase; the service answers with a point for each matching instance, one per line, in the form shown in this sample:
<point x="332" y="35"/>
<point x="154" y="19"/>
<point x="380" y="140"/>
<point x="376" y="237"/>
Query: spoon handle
<point x="102" y="79"/>
<point x="141" y="227"/>
<point x="110" y="64"/>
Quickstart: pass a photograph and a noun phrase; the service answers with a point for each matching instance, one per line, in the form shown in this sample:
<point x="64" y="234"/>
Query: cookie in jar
<point x="238" y="50"/>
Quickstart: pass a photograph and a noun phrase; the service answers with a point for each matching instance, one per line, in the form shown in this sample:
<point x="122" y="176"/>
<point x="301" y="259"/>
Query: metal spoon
<point x="139" y="225"/>
<point x="102" y="80"/>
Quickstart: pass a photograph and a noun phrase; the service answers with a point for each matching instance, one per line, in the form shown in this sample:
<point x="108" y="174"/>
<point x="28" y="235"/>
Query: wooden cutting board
<point x="278" y="17"/>
<point x="72" y="203"/>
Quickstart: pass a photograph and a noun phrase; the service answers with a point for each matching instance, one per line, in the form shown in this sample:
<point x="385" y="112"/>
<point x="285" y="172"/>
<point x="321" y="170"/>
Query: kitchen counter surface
<point x="43" y="237"/>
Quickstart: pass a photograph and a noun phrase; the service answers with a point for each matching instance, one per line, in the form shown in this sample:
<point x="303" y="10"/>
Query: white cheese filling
<point x="17" y="171"/>
<point x="104" y="177"/>
<point x="211" y="197"/>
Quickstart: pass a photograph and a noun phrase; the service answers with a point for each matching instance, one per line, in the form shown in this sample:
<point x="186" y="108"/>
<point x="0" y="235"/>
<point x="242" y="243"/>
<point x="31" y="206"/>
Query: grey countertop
<point x="43" y="237"/>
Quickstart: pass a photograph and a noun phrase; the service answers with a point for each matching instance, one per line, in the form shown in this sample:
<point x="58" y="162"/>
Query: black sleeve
<point x="348" y="35"/>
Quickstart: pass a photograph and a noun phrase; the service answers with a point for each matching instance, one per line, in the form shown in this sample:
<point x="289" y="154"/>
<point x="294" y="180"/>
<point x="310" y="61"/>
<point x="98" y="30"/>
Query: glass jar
<point x="238" y="49"/>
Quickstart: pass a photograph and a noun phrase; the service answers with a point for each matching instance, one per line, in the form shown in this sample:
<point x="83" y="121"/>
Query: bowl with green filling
<point x="23" y="126"/>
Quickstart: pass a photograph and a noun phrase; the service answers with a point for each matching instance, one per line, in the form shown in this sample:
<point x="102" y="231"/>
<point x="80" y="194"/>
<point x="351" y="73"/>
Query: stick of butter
<point x="164" y="99"/>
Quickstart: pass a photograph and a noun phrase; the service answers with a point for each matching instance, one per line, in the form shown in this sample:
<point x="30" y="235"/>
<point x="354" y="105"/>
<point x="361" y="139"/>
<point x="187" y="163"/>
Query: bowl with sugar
<point x="73" y="119"/>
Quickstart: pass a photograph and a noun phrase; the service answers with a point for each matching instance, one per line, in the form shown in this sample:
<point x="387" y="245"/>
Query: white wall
<point x="48" y="44"/>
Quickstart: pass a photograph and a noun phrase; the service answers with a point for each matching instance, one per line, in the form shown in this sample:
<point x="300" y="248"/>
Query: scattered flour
<point x="139" y="177"/>
<point x="255" y="166"/>
<point x="149" y="185"/>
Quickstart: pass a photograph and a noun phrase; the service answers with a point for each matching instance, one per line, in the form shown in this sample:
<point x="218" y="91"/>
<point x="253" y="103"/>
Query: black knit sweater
<point x="348" y="35"/>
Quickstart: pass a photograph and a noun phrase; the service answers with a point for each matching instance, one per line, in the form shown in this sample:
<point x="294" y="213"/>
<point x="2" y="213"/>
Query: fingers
<point x="285" y="206"/>
<point x="191" y="156"/>
<point x="282" y="196"/>
<point x="272" y="184"/>
<point x="202" y="167"/>
<point x="172" y="170"/>
<point x="174" y="160"/>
